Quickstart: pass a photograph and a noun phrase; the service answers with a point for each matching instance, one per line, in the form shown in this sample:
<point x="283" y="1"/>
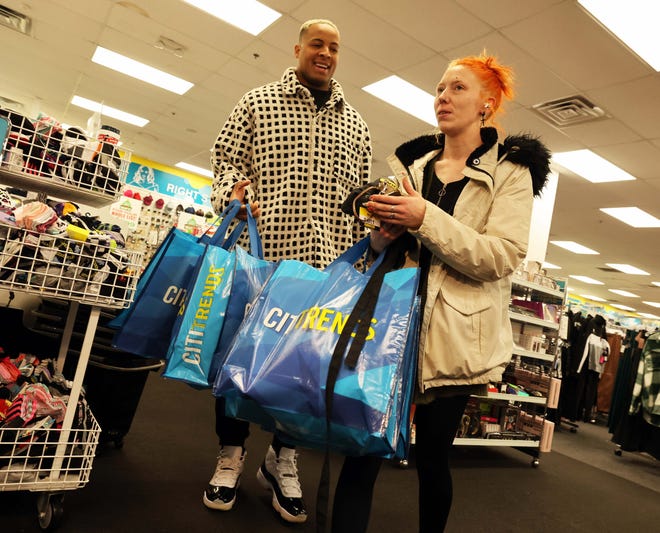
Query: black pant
<point x="234" y="432"/>
<point x="436" y="424"/>
<point x="354" y="493"/>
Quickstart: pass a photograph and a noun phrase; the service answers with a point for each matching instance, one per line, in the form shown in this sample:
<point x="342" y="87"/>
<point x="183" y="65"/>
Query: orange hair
<point x="497" y="79"/>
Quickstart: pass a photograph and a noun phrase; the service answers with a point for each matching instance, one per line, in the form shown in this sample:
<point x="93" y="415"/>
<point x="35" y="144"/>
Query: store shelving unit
<point x="533" y="361"/>
<point x="80" y="272"/>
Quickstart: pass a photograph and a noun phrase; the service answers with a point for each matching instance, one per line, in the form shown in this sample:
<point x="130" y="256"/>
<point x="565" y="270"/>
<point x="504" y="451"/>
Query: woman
<point x="468" y="201"/>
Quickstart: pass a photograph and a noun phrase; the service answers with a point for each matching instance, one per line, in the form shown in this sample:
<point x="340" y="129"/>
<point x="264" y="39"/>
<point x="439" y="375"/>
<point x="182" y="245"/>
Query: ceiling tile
<point x="635" y="103"/>
<point x="570" y="43"/>
<point x="382" y="42"/>
<point x="506" y="12"/>
<point x="442" y="25"/>
<point x="601" y="132"/>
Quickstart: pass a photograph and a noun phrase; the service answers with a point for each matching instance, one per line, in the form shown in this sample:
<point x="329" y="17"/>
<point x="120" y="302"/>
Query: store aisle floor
<point x="155" y="482"/>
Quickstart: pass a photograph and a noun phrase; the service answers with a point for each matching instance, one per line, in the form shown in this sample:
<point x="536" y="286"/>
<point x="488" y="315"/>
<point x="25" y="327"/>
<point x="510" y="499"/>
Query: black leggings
<point x="436" y="424"/>
<point x="234" y="432"/>
<point x="352" y="504"/>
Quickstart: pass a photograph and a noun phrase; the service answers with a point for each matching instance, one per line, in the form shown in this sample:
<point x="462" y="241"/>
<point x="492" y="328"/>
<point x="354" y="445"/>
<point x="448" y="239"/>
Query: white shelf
<point x="497" y="442"/>
<point x="56" y="187"/>
<point x="514" y="398"/>
<point x="535" y="286"/>
<point x="518" y="317"/>
<point x="517" y="350"/>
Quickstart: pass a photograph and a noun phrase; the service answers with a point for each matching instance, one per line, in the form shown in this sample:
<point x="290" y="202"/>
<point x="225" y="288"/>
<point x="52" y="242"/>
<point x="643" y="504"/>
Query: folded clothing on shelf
<point x="46" y="149"/>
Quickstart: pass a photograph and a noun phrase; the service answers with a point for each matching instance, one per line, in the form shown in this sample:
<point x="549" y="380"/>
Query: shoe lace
<point x="227" y="469"/>
<point x="287" y="474"/>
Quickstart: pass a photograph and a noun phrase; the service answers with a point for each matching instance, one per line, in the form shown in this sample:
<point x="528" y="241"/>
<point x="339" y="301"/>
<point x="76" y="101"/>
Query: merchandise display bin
<point x="114" y="387"/>
<point x="40" y="155"/>
<point x="87" y="269"/>
<point x="58" y="266"/>
<point x="49" y="461"/>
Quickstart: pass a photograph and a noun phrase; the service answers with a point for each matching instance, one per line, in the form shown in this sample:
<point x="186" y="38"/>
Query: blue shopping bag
<point x="221" y="287"/>
<point x="398" y="424"/>
<point x="251" y="272"/>
<point x="145" y="327"/>
<point x="278" y="363"/>
<point x="196" y="330"/>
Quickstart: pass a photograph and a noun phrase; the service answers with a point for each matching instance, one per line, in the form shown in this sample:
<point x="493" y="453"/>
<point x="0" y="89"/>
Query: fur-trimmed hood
<point x="525" y="149"/>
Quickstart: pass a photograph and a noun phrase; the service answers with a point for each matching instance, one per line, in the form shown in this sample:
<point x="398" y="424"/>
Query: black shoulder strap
<point x="357" y="329"/>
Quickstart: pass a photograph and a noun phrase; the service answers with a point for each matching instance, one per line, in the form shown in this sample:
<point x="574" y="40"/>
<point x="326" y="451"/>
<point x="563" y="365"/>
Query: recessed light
<point x="633" y="216"/>
<point x="591" y="167"/>
<point x="592" y="297"/>
<point x="586" y="279"/>
<point x="550" y="266"/>
<point x="404" y="96"/>
<point x="574" y="247"/>
<point x="623" y="293"/>
<point x="248" y="15"/>
<point x="628" y="269"/>
<point x="108" y="111"/>
<point x="632" y="23"/>
<point x="140" y="71"/>
<point x="197" y="170"/>
<point x="623" y="307"/>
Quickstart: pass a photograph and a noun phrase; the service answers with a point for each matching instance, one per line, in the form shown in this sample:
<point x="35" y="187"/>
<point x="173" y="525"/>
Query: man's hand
<point x="238" y="193"/>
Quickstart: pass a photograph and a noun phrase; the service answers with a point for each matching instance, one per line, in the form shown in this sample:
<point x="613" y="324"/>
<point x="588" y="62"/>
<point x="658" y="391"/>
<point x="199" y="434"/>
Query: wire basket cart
<point x="50" y="461"/>
<point x="46" y="458"/>
<point x="54" y="454"/>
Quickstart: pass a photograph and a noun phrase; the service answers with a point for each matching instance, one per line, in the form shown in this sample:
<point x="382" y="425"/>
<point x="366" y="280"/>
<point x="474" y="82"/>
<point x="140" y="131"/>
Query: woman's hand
<point x="407" y="211"/>
<point x="382" y="237"/>
<point x="238" y="193"/>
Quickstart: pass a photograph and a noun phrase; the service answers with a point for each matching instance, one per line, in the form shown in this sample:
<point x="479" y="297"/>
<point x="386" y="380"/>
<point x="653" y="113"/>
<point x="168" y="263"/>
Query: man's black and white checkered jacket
<point x="302" y="164"/>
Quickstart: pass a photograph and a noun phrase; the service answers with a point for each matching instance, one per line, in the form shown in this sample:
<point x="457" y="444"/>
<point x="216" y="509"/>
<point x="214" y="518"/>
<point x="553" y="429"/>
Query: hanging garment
<point x="646" y="392"/>
<point x="608" y="376"/>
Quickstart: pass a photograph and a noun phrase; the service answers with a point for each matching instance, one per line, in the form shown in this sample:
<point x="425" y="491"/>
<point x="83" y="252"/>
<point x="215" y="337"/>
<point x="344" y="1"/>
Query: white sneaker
<point x="221" y="491"/>
<point x="280" y="475"/>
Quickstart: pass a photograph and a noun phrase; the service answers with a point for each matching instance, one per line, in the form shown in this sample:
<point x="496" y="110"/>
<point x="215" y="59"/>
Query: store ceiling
<point x="556" y="49"/>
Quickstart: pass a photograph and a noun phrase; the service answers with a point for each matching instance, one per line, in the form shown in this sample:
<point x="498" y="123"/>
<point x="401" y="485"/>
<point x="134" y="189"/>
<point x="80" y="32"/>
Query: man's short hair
<point x="306" y="25"/>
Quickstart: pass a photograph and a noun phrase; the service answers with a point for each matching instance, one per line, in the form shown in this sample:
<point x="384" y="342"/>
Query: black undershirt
<point x="432" y="187"/>
<point x="320" y="97"/>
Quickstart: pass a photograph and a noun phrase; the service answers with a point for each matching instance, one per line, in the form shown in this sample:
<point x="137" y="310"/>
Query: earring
<point x="483" y="119"/>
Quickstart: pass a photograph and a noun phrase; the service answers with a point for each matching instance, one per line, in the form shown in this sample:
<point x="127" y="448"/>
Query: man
<point x="293" y="149"/>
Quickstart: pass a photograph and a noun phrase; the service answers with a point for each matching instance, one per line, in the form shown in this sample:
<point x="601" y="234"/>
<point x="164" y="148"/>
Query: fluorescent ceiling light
<point x="135" y="69"/>
<point x="656" y="283"/>
<point x="248" y="15"/>
<point x="653" y="304"/>
<point x="633" y="21"/>
<point x="628" y="269"/>
<point x="649" y="315"/>
<point x="633" y="216"/>
<point x="574" y="247"/>
<point x="591" y="167"/>
<point x="623" y="293"/>
<point x="550" y="266"/>
<point x="592" y="297"/>
<point x="624" y="307"/>
<point x="108" y="111"/>
<point x="197" y="170"/>
<point x="405" y="96"/>
<point x="586" y="279"/>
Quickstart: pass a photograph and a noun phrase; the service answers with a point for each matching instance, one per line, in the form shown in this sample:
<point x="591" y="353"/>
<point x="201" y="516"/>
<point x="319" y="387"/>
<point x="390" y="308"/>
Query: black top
<point x="445" y="201"/>
<point x="320" y="97"/>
